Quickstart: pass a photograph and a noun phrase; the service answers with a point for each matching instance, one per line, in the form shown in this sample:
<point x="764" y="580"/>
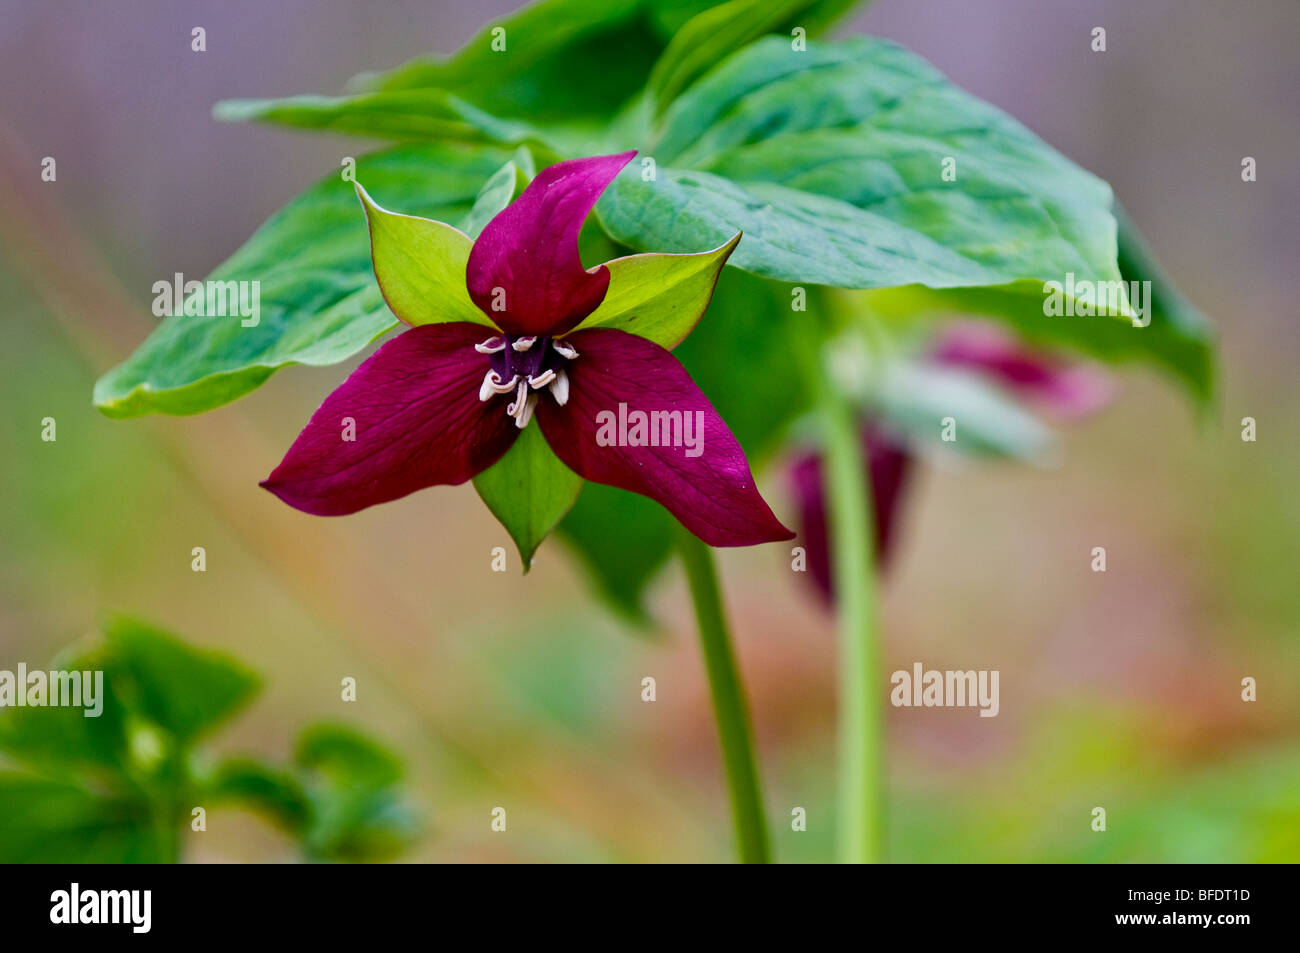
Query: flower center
<point x="522" y="365"/>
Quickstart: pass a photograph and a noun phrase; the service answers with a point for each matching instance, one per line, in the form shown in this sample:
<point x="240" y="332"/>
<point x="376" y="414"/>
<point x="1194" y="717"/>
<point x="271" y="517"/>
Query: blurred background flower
<point x="1119" y="689"/>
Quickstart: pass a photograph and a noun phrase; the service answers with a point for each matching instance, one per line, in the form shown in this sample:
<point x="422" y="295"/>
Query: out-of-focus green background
<point x="1119" y="690"/>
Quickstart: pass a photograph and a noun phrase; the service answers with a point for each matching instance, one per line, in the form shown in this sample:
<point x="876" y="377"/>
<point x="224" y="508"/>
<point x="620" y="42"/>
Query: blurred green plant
<point x="123" y="787"/>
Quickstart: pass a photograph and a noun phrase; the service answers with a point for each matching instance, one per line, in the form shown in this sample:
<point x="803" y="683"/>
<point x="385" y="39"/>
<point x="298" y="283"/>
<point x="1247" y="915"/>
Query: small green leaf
<point x="660" y="297"/>
<point x="346" y="756"/>
<point x="420" y="265"/>
<point x="275" y="794"/>
<point x="529" y="490"/>
<point x="183" y="690"/>
<point x="357" y="813"/>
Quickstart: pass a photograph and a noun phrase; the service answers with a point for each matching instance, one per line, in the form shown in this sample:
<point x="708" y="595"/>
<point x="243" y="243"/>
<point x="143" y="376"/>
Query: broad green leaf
<point x="420" y="266"/>
<point x="831" y="161"/>
<point x="566" y="66"/>
<point x="529" y="490"/>
<point x="505" y="185"/>
<point x="660" y="297"/>
<point x="916" y="399"/>
<point x="319" y="300"/>
<point x="564" y="61"/>
<point x="183" y="690"/>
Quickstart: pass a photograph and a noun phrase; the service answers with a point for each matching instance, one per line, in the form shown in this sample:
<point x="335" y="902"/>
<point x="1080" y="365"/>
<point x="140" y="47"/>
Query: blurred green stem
<point x="848" y="491"/>
<point x="729" y="705"/>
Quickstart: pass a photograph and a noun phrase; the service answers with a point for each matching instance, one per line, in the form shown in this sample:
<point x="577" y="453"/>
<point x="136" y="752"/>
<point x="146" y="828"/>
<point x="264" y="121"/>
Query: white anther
<point x="507" y="386"/>
<point x="523" y="344"/>
<point x="521" y="408"/>
<point x="492" y="384"/>
<point x="521" y="398"/>
<point x="492" y="345"/>
<point x="522" y="420"/>
<point x="541" y="380"/>
<point x="560" y="388"/>
<point x="565" y="350"/>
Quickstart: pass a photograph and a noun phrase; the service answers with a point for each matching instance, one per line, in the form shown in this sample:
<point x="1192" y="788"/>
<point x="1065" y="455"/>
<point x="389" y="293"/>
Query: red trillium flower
<point x="889" y="468"/>
<point x="510" y="332"/>
<point x="1067" y="391"/>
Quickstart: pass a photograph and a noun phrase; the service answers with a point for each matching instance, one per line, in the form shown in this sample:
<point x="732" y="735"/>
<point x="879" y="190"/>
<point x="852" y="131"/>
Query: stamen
<point x="528" y="375"/>
<point x="521" y="408"/>
<point x="521" y="400"/>
<point x="560" y="388"/>
<point x="522" y="420"/>
<point x="492" y="385"/>
<point x="504" y="388"/>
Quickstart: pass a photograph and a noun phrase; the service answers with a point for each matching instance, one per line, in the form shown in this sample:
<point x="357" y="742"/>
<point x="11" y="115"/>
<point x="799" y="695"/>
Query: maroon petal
<point x="416" y="420"/>
<point x="1070" y="391"/>
<point x="703" y="480"/>
<point x="889" y="467"/>
<point x="524" y="271"/>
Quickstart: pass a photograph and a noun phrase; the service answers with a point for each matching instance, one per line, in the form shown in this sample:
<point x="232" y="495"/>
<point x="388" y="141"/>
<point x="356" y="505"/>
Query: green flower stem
<point x="729" y="705"/>
<point x="852" y="536"/>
